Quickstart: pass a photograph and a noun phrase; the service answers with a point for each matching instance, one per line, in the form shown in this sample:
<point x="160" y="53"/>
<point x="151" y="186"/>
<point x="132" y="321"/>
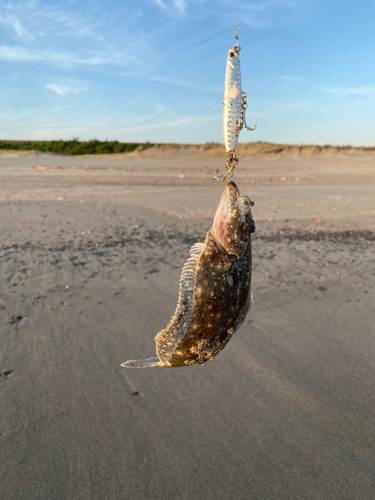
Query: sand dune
<point x="256" y="150"/>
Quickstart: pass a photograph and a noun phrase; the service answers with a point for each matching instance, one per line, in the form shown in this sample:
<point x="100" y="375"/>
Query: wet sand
<point x="90" y="257"/>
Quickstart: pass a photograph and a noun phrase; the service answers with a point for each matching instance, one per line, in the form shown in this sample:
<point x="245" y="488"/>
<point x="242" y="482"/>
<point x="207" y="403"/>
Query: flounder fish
<point x="214" y="295"/>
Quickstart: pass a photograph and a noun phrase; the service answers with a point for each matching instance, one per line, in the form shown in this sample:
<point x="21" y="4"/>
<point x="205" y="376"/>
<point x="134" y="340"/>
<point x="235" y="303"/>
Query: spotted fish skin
<point x="221" y="299"/>
<point x="214" y="295"/>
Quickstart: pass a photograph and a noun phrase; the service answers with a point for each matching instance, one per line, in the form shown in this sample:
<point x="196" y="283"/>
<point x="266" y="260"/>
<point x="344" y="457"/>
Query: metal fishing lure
<point x="235" y="105"/>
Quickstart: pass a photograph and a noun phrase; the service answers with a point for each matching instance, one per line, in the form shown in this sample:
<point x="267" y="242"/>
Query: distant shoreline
<point x="257" y="149"/>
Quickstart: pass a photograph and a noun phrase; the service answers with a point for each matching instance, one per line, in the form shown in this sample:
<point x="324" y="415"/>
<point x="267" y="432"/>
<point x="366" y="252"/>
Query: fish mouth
<point x="228" y="206"/>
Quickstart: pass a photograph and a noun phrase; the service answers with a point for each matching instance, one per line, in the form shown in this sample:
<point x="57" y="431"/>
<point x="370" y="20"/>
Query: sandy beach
<point x="91" y="250"/>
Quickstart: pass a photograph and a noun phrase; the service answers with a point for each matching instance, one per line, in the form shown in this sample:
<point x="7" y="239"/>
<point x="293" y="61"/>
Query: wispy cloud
<point x="173" y="7"/>
<point x="291" y="78"/>
<point x="45" y="20"/>
<point x="34" y="117"/>
<point x="179" y="83"/>
<point x="161" y="124"/>
<point x="275" y="109"/>
<point x="67" y="59"/>
<point x="75" y="25"/>
<point x="270" y="14"/>
<point x="269" y="4"/>
<point x="68" y="34"/>
<point x="254" y="21"/>
<point x="350" y="91"/>
<point x="12" y="22"/>
<point x="64" y="89"/>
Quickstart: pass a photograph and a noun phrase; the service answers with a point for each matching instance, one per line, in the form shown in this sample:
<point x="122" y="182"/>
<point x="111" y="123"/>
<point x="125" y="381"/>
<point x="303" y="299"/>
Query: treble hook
<point x="231" y="162"/>
<point x="249" y="128"/>
<point x="224" y="177"/>
<point x="244" y="107"/>
<point x="218" y="178"/>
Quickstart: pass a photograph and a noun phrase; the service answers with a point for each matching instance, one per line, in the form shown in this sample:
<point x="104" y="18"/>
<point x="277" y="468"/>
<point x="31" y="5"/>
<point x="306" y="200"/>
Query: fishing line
<point x="236" y="35"/>
<point x="238" y="2"/>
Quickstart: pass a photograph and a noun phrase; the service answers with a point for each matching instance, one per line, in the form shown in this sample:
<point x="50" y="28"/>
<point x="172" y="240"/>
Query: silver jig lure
<point x="235" y="105"/>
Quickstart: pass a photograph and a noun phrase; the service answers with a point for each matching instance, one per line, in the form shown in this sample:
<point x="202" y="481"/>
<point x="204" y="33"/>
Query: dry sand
<point x="90" y="256"/>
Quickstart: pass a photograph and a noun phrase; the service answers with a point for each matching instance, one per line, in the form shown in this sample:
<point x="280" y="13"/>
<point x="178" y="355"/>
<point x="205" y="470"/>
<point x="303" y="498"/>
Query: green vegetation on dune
<point x="212" y="149"/>
<point x="74" y="146"/>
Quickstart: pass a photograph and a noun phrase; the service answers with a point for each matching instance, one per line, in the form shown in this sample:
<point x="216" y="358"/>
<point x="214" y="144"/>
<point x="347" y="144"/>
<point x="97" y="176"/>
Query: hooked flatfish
<point x="214" y="295"/>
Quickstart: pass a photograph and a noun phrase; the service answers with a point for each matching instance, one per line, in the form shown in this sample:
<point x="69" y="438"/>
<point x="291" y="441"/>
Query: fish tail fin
<point x="142" y="363"/>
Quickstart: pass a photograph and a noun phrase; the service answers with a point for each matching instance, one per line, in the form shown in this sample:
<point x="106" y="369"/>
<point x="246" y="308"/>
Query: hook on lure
<point x="244" y="107"/>
<point x="231" y="163"/>
<point x="235" y="105"/>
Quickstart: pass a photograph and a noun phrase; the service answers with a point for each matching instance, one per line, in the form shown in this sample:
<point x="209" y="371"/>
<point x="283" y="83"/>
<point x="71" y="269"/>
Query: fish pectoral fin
<point x="142" y="363"/>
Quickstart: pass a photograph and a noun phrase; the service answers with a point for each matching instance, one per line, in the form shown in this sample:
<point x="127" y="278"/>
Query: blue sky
<point x="154" y="69"/>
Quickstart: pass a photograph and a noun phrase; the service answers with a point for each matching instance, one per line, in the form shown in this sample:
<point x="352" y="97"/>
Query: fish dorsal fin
<point x="185" y="295"/>
<point x="167" y="339"/>
<point x="196" y="249"/>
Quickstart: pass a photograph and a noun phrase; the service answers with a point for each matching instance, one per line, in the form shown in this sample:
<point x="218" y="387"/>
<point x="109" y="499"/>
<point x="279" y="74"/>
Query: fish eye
<point x="231" y="54"/>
